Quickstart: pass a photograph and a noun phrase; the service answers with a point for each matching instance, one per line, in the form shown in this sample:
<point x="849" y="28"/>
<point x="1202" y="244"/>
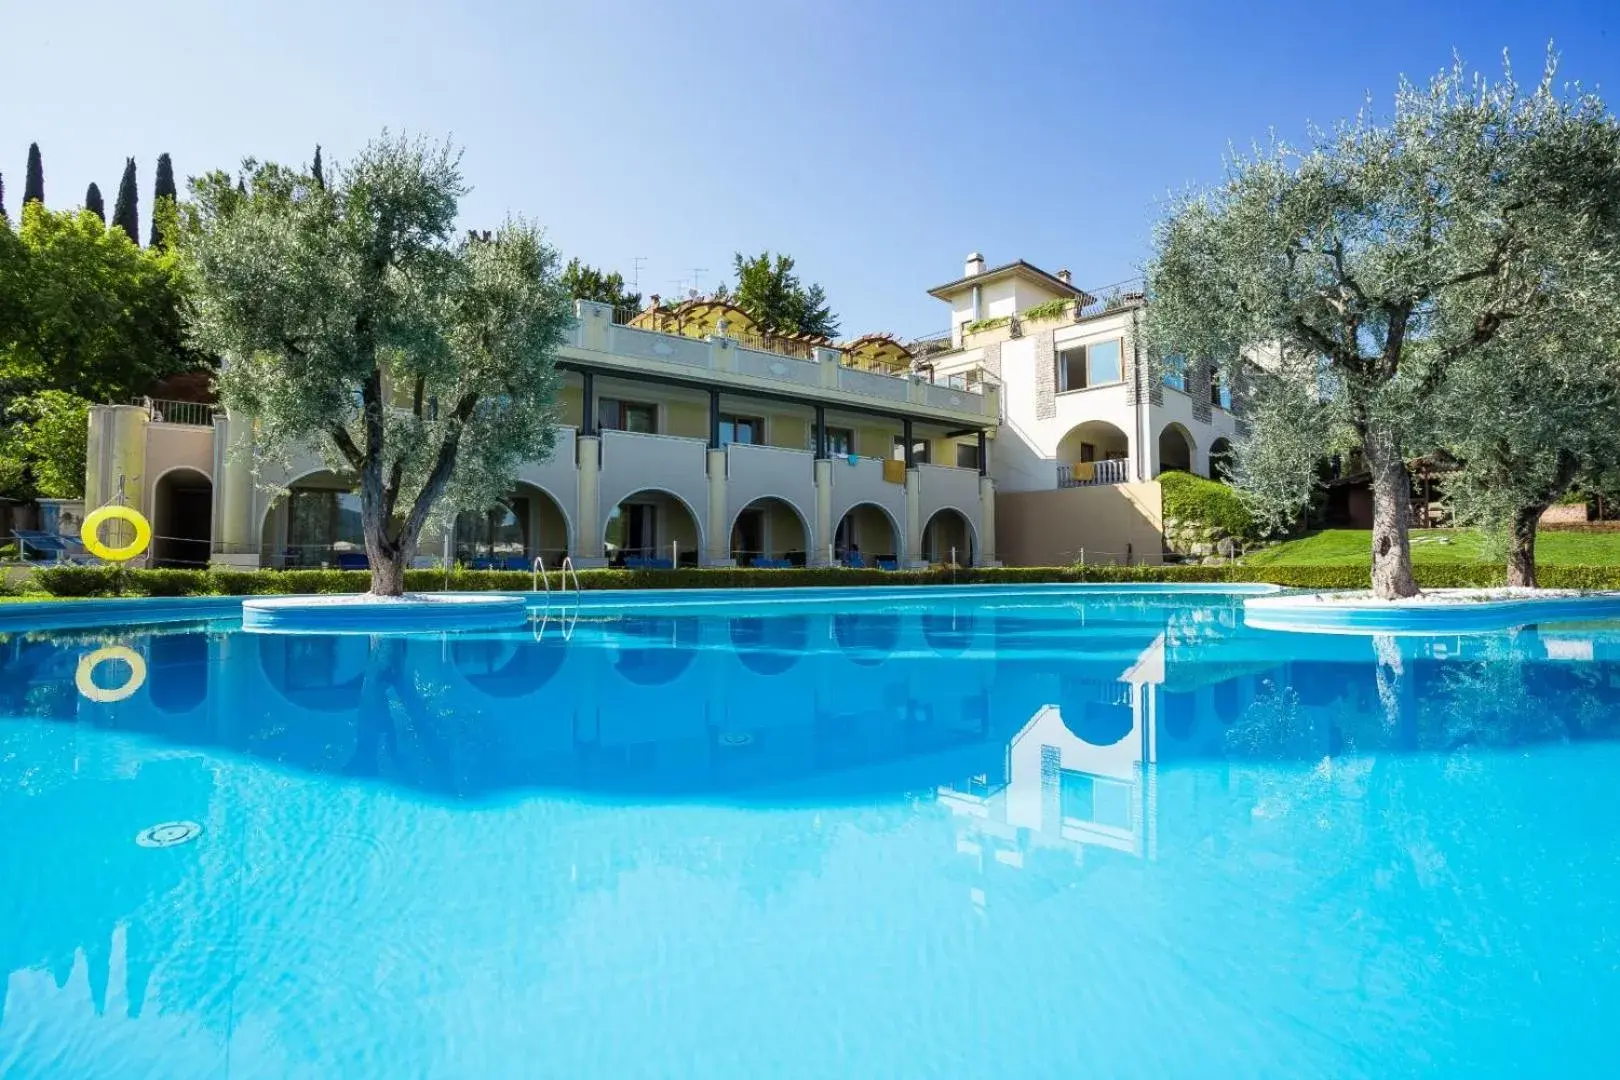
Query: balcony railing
<point x="1091" y="473"/>
<point x="188" y="413"/>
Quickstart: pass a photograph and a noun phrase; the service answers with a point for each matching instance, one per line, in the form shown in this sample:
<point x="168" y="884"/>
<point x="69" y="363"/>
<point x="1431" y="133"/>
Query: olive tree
<point x="349" y="319"/>
<point x="1392" y="251"/>
<point x="1527" y="418"/>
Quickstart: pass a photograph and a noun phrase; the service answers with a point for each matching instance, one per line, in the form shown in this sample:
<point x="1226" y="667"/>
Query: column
<point x="588" y="514"/>
<point x="912" y="541"/>
<point x="987" y="522"/>
<point x="718" y="530"/>
<point x="824" y="525"/>
<point x="236" y="542"/>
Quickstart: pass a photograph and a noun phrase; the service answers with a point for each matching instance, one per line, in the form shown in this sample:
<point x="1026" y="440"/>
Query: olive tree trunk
<point x="1392" y="516"/>
<point x="1521" y="557"/>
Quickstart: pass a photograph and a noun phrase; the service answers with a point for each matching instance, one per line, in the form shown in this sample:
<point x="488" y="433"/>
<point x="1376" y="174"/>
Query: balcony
<point x="1093" y="473"/>
<point x="826" y="371"/>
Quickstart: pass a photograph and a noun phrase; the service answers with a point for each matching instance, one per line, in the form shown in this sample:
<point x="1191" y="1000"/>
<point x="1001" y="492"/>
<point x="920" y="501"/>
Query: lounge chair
<point x="888" y="564"/>
<point x="58" y="548"/>
<point x="353" y="560"/>
<point x="855" y="561"/>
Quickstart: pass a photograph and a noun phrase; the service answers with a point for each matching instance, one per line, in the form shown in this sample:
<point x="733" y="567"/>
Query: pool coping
<point x="92" y="612"/>
<point x="1307" y="613"/>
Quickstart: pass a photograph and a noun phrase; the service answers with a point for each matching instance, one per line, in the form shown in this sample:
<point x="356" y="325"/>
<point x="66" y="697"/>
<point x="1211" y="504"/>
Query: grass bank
<point x="1440" y="547"/>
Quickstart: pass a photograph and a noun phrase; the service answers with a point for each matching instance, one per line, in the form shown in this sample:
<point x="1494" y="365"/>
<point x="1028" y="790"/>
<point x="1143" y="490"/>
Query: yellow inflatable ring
<point x="92" y="526"/>
<point x="85" y="681"/>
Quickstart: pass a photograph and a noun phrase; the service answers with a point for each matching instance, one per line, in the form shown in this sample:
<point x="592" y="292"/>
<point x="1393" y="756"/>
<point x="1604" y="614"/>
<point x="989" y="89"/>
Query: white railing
<point x="1086" y="474"/>
<point x="871" y="384"/>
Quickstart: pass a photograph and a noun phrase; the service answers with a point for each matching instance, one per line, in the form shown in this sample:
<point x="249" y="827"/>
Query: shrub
<point x="1210" y="503"/>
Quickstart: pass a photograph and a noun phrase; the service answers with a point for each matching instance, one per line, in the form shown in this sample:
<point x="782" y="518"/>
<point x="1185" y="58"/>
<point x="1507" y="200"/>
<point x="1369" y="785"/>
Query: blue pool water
<point x="1041" y="835"/>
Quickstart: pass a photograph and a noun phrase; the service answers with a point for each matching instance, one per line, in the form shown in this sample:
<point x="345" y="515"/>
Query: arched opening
<point x="1095" y="452"/>
<point x="769" y="646"/>
<point x="316" y="522"/>
<point x="866" y="639"/>
<point x="948" y="538"/>
<point x="769" y="532"/>
<point x="182" y="518"/>
<point x="1220" y="459"/>
<point x="652" y="529"/>
<point x="1175" y="449"/>
<point x="652" y="651"/>
<point x="510" y="535"/>
<point x="866" y="536"/>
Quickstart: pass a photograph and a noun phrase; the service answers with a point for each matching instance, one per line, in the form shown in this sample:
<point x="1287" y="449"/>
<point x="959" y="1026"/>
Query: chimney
<point x="974" y="265"/>
<point x="1063" y="276"/>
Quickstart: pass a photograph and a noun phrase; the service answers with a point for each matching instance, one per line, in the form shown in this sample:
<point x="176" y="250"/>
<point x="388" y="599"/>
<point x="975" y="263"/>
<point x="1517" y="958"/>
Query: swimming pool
<point x="1000" y="832"/>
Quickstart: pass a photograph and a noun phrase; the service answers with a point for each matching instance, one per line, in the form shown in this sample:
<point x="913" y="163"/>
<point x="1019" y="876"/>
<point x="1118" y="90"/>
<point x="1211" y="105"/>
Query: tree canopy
<point x="162" y="188"/>
<point x="584" y="282"/>
<point x="350" y="320"/>
<point x="1391" y="252"/>
<point x="772" y="294"/>
<point x="34" y="179"/>
<point x="83" y="310"/>
<point x="93" y="202"/>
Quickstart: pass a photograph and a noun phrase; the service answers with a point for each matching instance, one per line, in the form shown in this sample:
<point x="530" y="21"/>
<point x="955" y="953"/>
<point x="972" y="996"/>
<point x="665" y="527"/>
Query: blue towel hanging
<point x="853" y="458"/>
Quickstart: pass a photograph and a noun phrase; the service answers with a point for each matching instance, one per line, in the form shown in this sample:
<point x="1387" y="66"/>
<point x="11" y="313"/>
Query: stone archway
<point x="770" y="531"/>
<point x="1175" y="449"/>
<point x="182" y="518"/>
<point x="865" y="534"/>
<point x="652" y="527"/>
<point x="948" y="531"/>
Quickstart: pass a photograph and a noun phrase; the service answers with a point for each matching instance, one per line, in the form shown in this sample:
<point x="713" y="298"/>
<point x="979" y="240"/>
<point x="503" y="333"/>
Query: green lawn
<point x="1353" y="547"/>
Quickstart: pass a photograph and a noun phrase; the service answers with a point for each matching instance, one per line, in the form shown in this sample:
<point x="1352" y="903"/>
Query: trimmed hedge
<point x="110" y="581"/>
<point x="1205" y="502"/>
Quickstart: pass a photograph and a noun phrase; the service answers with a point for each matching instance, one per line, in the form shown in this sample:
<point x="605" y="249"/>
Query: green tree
<point x="43" y="440"/>
<point x="127" y="210"/>
<point x="316" y="171"/>
<point x="3" y="199"/>
<point x="34" y="179"/>
<point x="584" y="282"/>
<point x="1393" y="252"/>
<point x="94" y="203"/>
<point x="771" y="293"/>
<point x="350" y="320"/>
<point x="1528" y="417"/>
<point x="162" y="188"/>
<point x="91" y="314"/>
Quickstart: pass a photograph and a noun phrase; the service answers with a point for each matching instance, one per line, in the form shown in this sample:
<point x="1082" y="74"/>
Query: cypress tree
<point x="162" y="188"/>
<point x="3" y="198"/>
<point x="320" y="177"/>
<point x="93" y="203"/>
<point x="34" y="182"/>
<point x="126" y="211"/>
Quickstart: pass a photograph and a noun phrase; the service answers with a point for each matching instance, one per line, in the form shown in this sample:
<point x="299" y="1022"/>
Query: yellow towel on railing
<point x="1084" y="472"/>
<point x="894" y="470"/>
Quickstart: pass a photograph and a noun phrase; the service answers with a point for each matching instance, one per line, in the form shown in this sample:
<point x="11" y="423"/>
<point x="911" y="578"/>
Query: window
<point x="919" y="450"/>
<point x="1175" y="373"/>
<point x="967" y="455"/>
<point x="1097" y="364"/>
<point x="1088" y="451"/>
<point x="615" y="415"/>
<point x="748" y="430"/>
<point x="840" y="441"/>
<point x="1220" y="391"/>
<point x="632" y="529"/>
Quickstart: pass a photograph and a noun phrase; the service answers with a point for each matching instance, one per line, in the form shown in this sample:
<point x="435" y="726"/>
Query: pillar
<point x="824" y="524"/>
<point x="987" y="523"/>
<point x="717" y="530"/>
<point x="115" y="457"/>
<point x="236" y="542"/>
<point x="912" y="540"/>
<point x="593" y="320"/>
<point x="588" y="514"/>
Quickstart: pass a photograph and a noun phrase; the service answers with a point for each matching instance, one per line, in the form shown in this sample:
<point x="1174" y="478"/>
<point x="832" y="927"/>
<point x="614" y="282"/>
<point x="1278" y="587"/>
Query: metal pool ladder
<point x="566" y="619"/>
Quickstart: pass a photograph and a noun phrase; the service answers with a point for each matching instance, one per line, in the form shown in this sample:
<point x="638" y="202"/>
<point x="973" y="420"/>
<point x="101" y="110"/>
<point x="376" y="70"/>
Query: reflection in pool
<point x="1022" y="837"/>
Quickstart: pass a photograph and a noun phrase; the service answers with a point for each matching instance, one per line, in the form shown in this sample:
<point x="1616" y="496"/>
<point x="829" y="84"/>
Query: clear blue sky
<point x="876" y="141"/>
